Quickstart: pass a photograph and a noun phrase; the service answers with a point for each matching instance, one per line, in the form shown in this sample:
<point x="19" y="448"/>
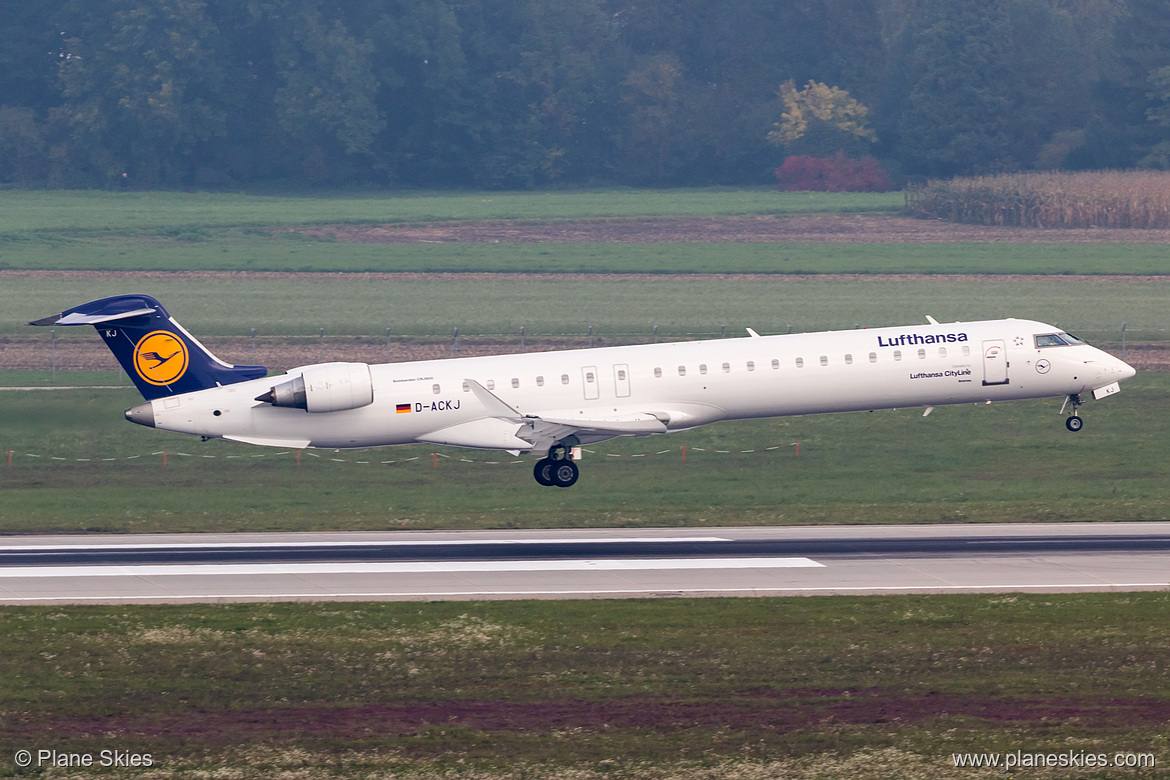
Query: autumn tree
<point x="819" y="120"/>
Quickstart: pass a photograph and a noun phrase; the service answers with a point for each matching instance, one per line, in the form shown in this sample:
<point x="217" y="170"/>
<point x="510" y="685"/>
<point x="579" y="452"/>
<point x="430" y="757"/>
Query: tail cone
<point x="143" y="414"/>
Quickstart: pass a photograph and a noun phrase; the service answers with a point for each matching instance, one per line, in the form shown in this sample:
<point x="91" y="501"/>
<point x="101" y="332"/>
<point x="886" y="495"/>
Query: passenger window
<point x="564" y="379"/>
<point x="435" y="389"/>
<point x="658" y="373"/>
<point x="703" y="369"/>
<point x="540" y="381"/>
<point x="942" y="352"/>
<point x="848" y="360"/>
<point x="466" y="388"/>
<point x="682" y="370"/>
<point x="727" y="368"/>
<point x="800" y="362"/>
<point x="621" y="375"/>
<point x="966" y="351"/>
<point x="751" y="365"/>
<point x="872" y="357"/>
<point x="824" y="360"/>
<point x="515" y="382"/>
<point x="897" y="354"/>
<point x="491" y="384"/>
<point x="589" y="378"/>
<point x="775" y="364"/>
<point x="922" y="354"/>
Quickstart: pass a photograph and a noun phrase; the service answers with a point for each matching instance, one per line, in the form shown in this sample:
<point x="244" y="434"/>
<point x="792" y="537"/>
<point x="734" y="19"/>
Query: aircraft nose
<point x="143" y="414"/>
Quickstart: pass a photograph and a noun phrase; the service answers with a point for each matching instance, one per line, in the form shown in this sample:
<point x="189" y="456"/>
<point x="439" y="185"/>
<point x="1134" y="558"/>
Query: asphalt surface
<point x="590" y="563"/>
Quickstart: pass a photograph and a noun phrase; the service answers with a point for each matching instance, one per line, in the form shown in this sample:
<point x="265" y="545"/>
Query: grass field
<point x="868" y="688"/>
<point x="812" y="687"/>
<point x="238" y="251"/>
<point x="153" y="232"/>
<point x="177" y="214"/>
<point x="1004" y="463"/>
<point x="615" y="306"/>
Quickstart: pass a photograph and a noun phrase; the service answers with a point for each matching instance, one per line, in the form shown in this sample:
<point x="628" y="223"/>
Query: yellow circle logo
<point x="160" y="358"/>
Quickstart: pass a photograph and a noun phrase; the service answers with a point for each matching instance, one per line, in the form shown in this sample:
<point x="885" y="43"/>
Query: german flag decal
<point x="402" y="408"/>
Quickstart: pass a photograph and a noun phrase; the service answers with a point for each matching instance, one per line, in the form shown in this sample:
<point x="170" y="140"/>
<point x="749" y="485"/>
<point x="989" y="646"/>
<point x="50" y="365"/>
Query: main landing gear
<point x="1074" y="423"/>
<point x="558" y="468"/>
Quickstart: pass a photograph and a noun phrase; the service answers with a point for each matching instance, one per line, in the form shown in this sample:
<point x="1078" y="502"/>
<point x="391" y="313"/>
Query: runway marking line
<point x="360" y="543"/>
<point x="406" y="567"/>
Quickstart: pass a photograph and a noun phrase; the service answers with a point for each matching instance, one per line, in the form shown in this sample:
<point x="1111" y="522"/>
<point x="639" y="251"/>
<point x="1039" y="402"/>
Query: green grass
<point x="240" y="251"/>
<point x="66" y="212"/>
<point x="1002" y="463"/>
<point x="861" y="687"/>
<point x="615" y="306"/>
<point x="151" y="232"/>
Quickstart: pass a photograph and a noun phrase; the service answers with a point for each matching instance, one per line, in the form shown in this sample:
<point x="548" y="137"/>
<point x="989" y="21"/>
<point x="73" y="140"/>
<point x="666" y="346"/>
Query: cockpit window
<point x="1057" y="340"/>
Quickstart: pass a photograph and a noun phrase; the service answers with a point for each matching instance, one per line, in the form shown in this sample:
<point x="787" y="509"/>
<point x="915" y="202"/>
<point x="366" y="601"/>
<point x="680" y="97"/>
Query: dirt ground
<point x="777" y="712"/>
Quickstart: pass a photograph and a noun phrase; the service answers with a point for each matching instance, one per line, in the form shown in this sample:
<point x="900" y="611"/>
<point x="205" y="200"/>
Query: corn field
<point x="1104" y="199"/>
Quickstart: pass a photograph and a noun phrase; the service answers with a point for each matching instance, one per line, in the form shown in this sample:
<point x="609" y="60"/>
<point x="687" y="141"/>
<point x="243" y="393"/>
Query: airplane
<point x="552" y="402"/>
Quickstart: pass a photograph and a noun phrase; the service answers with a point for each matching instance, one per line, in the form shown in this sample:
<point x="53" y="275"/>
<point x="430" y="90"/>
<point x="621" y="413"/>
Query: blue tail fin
<point x="160" y="356"/>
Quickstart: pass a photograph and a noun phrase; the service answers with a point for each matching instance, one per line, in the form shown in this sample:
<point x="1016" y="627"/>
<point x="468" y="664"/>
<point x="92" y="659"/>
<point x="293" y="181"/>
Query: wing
<point x="506" y="428"/>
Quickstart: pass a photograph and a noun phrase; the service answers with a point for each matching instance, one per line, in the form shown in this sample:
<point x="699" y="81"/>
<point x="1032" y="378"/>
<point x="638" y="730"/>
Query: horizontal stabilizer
<point x="80" y="318"/>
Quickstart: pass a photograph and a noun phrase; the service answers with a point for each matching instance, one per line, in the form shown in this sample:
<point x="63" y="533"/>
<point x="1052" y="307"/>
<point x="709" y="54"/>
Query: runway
<point x="585" y="563"/>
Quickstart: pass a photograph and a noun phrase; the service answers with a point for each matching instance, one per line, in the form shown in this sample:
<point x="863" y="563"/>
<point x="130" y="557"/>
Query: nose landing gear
<point x="558" y="469"/>
<point x="1074" y="423"/>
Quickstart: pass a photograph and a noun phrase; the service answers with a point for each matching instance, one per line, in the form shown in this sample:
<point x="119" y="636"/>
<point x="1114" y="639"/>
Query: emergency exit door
<point x="589" y="381"/>
<point x="621" y="380"/>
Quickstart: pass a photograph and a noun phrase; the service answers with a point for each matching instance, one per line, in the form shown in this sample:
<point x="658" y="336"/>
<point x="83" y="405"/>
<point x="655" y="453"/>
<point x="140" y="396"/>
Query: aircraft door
<point x="621" y="380"/>
<point x="995" y="366"/>
<point x="589" y="381"/>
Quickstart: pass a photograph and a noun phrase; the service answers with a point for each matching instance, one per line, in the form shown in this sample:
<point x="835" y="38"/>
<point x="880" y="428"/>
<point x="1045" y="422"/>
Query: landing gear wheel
<point x="542" y="471"/>
<point x="1074" y="424"/>
<point x="564" y="473"/>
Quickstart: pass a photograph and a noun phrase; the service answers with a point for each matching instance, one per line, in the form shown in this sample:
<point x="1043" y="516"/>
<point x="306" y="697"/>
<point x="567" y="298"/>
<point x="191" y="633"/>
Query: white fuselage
<point x="681" y="384"/>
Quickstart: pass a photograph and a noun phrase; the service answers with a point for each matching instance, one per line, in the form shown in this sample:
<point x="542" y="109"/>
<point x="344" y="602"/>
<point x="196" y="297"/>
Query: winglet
<point x="753" y="334"/>
<point x="495" y="407"/>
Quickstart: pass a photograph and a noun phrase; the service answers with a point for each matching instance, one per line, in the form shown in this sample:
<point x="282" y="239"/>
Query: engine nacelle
<point x="328" y="387"/>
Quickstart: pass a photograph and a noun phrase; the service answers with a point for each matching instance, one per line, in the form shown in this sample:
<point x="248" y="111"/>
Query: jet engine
<point x="328" y="387"/>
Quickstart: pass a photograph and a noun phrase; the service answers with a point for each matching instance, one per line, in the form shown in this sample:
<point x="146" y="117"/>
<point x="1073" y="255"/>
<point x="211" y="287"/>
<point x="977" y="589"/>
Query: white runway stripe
<point x="407" y="567"/>
<point x="366" y="543"/>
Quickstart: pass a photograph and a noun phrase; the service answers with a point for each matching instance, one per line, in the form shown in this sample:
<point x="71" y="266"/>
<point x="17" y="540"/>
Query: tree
<point x="139" y="87"/>
<point x="1136" y="91"/>
<point x="327" y="99"/>
<point x="819" y="120"/>
<point x="22" y="145"/>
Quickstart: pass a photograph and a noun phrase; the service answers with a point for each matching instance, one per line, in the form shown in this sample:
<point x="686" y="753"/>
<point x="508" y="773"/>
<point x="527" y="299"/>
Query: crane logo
<point x="160" y="358"/>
